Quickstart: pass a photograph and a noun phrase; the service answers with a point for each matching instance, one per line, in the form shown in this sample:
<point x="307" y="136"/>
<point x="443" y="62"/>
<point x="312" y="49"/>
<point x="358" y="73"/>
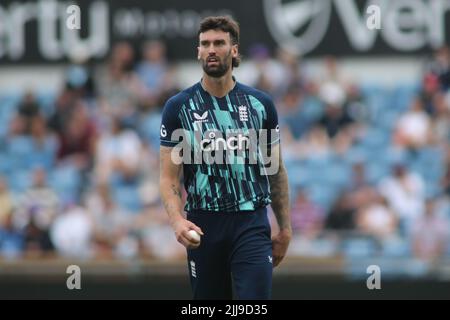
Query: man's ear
<point x="198" y="53"/>
<point x="235" y="51"/>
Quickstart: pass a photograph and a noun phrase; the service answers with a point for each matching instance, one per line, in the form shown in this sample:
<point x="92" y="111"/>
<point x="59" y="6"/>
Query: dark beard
<point x="218" y="71"/>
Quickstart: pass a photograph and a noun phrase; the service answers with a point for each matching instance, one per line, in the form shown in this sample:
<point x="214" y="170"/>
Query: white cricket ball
<point x="194" y="235"/>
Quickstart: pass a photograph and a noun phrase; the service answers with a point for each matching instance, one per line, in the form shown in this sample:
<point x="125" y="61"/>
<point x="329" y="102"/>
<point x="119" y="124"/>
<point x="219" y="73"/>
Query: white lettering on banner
<point x="12" y="35"/>
<point x="47" y="30"/>
<point x="361" y="38"/>
<point x="134" y="22"/>
<point x="406" y="15"/>
<point x="73" y="21"/>
<point x="52" y="20"/>
<point x="436" y="22"/>
<point x="374" y="19"/>
<point x="405" y="25"/>
<point x="284" y="19"/>
<point x="97" y="44"/>
<point x="51" y="17"/>
<point x="299" y="26"/>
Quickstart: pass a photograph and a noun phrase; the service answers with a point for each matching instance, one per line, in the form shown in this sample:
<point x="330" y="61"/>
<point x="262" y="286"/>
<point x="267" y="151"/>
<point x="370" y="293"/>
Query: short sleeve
<point x="169" y="123"/>
<point x="272" y="125"/>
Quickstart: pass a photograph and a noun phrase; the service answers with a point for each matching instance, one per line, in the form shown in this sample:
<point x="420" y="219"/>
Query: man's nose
<point x="211" y="50"/>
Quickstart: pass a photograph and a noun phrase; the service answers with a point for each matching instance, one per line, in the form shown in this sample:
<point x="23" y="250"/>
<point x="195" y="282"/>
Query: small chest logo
<point x="243" y="113"/>
<point x="201" y="118"/>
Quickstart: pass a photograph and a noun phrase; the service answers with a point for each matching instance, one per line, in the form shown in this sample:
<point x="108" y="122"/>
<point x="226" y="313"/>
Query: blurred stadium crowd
<point x="369" y="165"/>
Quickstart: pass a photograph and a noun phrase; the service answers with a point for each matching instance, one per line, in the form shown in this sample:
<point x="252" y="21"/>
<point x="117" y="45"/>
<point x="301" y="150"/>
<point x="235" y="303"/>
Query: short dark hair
<point x="225" y="24"/>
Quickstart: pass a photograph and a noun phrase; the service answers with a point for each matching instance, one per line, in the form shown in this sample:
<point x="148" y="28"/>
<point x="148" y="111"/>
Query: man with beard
<point x="227" y="197"/>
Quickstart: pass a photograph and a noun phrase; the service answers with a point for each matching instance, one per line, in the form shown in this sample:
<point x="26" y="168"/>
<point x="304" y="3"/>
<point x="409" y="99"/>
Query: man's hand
<point x="181" y="227"/>
<point x="280" y="244"/>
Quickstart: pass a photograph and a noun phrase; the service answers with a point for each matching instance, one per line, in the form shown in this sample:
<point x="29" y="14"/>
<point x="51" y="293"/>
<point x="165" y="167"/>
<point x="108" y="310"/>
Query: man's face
<point x="216" y="52"/>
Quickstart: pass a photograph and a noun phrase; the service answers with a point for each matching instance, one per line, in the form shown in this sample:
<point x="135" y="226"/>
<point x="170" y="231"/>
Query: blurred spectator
<point x="377" y="219"/>
<point x="405" y="193"/>
<point x="332" y="73"/>
<point x="316" y="143"/>
<point x="119" y="88"/>
<point x="148" y="188"/>
<point x="440" y="126"/>
<point x="45" y="144"/>
<point x="155" y="74"/>
<point x="360" y="193"/>
<point x="292" y="72"/>
<point x="439" y="68"/>
<point x="158" y="237"/>
<point x="355" y="105"/>
<point x="37" y="208"/>
<point x="413" y="128"/>
<point x="332" y="84"/>
<point x="128" y="246"/>
<point x="28" y="109"/>
<point x="344" y="140"/>
<point x="341" y="216"/>
<point x="289" y="111"/>
<point x="11" y="239"/>
<point x="267" y="72"/>
<point x="71" y="232"/>
<point x="307" y="218"/>
<point x="79" y="74"/>
<point x="333" y="93"/>
<point x="37" y="237"/>
<point x="109" y="221"/>
<point x="358" y="179"/>
<point x="445" y="180"/>
<point x="63" y="110"/>
<point x="118" y="152"/>
<point x="430" y="234"/>
<point x="17" y="127"/>
<point x="335" y="119"/>
<point x="77" y="138"/>
<point x="6" y="201"/>
<point x="79" y="78"/>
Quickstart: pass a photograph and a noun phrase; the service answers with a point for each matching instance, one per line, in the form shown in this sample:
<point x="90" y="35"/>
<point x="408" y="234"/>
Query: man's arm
<point x="170" y="190"/>
<point x="279" y="189"/>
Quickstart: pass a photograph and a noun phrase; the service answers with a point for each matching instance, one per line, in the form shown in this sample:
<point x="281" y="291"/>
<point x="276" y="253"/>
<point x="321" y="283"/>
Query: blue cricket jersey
<point x="211" y="123"/>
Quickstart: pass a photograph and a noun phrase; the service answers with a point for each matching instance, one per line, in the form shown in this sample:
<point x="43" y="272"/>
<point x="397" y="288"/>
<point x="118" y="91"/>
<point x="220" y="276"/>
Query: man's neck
<point x="218" y="87"/>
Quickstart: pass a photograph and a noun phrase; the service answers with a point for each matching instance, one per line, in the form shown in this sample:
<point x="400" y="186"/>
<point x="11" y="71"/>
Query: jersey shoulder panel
<point x="262" y="96"/>
<point x="175" y="102"/>
<point x="171" y="120"/>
